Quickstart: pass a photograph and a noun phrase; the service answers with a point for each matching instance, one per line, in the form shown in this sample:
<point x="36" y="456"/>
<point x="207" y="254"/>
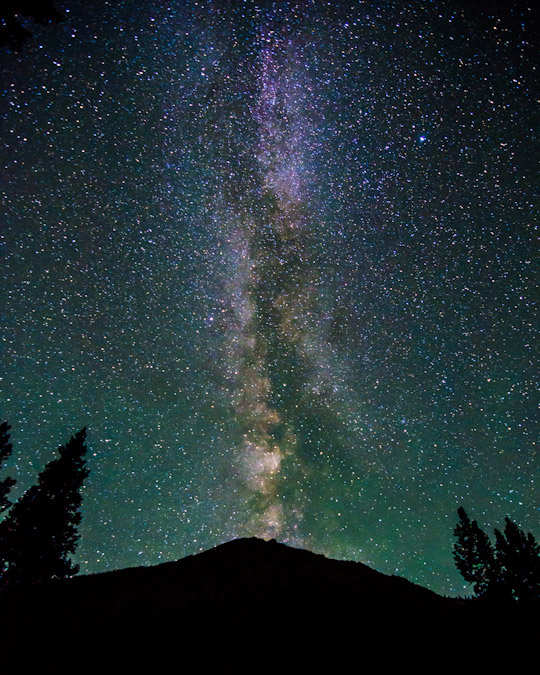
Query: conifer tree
<point x="40" y="532"/>
<point x="5" y="452"/>
<point x="474" y="554"/>
<point x="518" y="556"/>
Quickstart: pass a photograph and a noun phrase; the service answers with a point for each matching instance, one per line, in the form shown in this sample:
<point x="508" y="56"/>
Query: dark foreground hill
<point x="247" y="599"/>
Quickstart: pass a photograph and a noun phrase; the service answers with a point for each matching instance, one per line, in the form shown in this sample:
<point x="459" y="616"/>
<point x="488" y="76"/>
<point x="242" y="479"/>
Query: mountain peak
<point x="243" y="593"/>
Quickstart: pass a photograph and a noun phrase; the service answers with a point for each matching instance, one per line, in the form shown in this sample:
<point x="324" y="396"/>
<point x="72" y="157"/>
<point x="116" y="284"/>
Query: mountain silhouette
<point x="247" y="598"/>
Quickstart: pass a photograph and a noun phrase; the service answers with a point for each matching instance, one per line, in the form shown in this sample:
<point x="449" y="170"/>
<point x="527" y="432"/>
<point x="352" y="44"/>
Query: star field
<point x="281" y="258"/>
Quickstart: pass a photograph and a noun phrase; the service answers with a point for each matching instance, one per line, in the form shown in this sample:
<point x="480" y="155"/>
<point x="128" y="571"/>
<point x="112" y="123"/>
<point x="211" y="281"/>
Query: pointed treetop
<point x="40" y="532"/>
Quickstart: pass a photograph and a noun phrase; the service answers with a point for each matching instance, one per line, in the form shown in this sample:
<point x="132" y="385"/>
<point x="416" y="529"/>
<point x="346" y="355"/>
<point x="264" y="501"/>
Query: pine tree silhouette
<point x="510" y="571"/>
<point x="13" y="32"/>
<point x="5" y="452"/>
<point x="40" y="531"/>
<point x="474" y="554"/>
<point x="518" y="556"/>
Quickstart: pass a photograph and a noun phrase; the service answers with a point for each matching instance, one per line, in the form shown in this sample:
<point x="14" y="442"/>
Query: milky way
<point x="280" y="258"/>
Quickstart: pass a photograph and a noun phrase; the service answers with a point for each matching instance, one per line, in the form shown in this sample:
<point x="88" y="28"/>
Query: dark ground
<point x="251" y="604"/>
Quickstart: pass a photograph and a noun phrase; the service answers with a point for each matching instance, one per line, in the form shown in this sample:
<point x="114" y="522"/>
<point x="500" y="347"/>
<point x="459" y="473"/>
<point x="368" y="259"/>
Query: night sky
<point x="280" y="258"/>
